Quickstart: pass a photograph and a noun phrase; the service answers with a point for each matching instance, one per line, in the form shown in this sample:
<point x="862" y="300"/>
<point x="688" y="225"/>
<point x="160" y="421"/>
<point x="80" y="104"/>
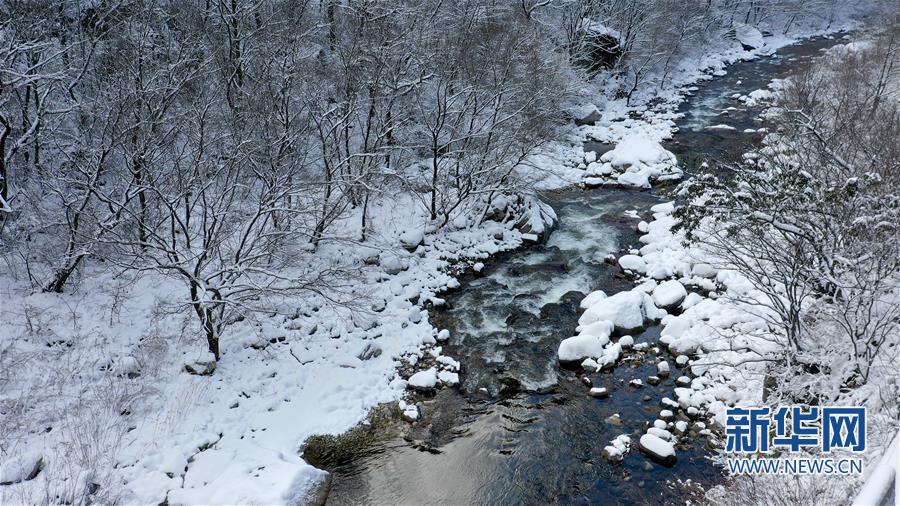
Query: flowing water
<point x="521" y="429"/>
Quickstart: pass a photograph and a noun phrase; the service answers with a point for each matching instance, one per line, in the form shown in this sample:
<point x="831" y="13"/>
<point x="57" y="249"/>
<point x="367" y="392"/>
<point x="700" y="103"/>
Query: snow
<point x="704" y="270"/>
<point x="580" y="347"/>
<point x="19" y="468"/>
<point x="692" y="299"/>
<point x="633" y="263"/>
<point x="448" y="378"/>
<point x="424" y="380"/>
<point x="669" y="293"/>
<point x="412" y="238"/>
<point x="662" y="369"/>
<point x="618" y="447"/>
<point x="635" y="161"/>
<point x="657" y="447"/>
<point x="592" y="298"/>
<point x="626" y="310"/>
<point x="749" y="36"/>
<point x="315" y="382"/>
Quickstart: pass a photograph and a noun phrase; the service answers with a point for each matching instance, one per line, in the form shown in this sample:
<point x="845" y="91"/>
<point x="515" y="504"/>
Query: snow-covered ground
<point x="99" y="391"/>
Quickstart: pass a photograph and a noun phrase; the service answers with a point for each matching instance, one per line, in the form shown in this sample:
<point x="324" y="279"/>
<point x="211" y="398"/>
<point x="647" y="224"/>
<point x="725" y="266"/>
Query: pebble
<point x="599" y="393"/>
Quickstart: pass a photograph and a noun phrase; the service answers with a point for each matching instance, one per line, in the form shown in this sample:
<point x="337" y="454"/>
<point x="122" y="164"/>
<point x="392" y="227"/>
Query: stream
<point x="522" y="429"/>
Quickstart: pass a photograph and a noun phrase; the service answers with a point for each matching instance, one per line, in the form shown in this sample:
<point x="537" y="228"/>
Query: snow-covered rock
<point x="636" y="161"/>
<point x="448" y="378"/>
<point x="692" y="299"/>
<point x="637" y="150"/>
<point x="587" y="114"/>
<point x="424" y="380"/>
<point x="580" y="347"/>
<point x="617" y="448"/>
<point x="626" y="310"/>
<point x="749" y="36"/>
<point x="662" y="369"/>
<point x="409" y="412"/>
<point x="411" y="239"/>
<point x="392" y="264"/>
<point x="633" y="263"/>
<point x="203" y="366"/>
<point x="669" y="294"/>
<point x="592" y="298"/>
<point x="658" y="448"/>
<point x="537" y="219"/>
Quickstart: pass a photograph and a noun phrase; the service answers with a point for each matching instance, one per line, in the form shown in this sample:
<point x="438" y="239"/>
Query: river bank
<point x="517" y="412"/>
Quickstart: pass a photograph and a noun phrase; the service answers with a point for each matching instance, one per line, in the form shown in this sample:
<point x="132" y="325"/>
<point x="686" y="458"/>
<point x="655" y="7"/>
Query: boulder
<point x="424" y="381"/>
<point x="580" y="347"/>
<point x="587" y="115"/>
<point x="658" y="449"/>
<point x="412" y="239"/>
<point x="669" y="294"/>
<point x="626" y="310"/>
<point x="633" y="263"/>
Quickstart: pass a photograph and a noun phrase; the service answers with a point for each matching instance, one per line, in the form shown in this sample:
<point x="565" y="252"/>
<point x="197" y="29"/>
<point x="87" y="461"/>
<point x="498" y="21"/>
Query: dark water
<point x="521" y="429"/>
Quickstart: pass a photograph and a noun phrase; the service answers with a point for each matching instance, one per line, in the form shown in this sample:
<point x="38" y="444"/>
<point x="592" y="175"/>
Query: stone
<point x="657" y="449"/>
<point x="662" y="369"/>
<point x="201" y="367"/>
<point x="587" y="115"/>
<point x="599" y="393"/>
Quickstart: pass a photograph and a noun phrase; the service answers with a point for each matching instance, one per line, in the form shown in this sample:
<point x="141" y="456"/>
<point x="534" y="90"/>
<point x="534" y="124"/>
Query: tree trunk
<point x="62" y="275"/>
<point x="4" y="177"/>
<point x="207" y="321"/>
